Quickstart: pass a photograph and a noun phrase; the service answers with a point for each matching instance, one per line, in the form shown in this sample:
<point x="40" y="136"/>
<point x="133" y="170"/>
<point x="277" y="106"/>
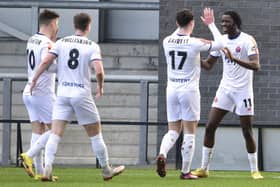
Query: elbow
<point x="257" y="68"/>
<point x="100" y="75"/>
<point x="207" y="68"/>
<point x="205" y="65"/>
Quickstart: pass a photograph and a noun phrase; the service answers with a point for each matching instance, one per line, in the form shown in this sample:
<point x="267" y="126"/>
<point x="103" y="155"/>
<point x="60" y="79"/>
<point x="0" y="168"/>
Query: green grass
<point x="80" y="177"/>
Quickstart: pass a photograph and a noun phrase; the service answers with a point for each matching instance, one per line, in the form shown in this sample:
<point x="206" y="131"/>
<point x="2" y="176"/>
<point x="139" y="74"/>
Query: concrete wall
<point x="260" y="19"/>
<point x="121" y="102"/>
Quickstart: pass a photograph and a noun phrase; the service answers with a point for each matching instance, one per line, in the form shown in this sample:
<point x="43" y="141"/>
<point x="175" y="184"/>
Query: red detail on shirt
<point x="238" y="49"/>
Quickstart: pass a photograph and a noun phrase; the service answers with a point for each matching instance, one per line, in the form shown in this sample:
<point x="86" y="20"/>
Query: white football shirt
<point x="182" y="54"/>
<point x="236" y="77"/>
<point x="37" y="47"/>
<point x="74" y="55"/>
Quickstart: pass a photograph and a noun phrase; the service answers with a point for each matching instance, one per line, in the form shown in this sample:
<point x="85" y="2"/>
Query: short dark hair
<point x="184" y="17"/>
<point x="81" y="21"/>
<point x="236" y="18"/>
<point x="47" y="16"/>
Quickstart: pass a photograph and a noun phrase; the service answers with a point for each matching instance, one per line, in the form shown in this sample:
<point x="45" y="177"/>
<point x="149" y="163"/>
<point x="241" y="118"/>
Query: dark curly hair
<point x="236" y="18"/>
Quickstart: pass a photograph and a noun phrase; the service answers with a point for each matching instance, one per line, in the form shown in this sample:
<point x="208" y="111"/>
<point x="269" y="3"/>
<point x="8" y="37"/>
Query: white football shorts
<point x="182" y="104"/>
<point x="83" y="108"/>
<point x="39" y="108"/>
<point x="240" y="102"/>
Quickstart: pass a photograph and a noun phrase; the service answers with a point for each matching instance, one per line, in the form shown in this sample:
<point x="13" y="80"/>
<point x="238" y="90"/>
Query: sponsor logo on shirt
<point x="73" y="84"/>
<point x="179" y="80"/>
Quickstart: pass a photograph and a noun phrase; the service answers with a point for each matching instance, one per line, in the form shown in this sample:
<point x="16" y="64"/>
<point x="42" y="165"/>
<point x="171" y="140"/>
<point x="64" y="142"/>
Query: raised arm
<point x="208" y="19"/>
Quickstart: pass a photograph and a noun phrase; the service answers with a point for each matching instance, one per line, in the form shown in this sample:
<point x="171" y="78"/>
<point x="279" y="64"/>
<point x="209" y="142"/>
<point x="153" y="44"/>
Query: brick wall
<point x="260" y="19"/>
<point x="121" y="102"/>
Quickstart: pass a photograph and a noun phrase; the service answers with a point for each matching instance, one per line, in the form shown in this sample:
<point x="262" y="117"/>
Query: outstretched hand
<point x="208" y="16"/>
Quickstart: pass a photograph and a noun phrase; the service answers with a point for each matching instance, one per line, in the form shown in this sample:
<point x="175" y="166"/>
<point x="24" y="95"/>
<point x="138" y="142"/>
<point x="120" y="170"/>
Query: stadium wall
<point x="121" y="102"/>
<point x="260" y="19"/>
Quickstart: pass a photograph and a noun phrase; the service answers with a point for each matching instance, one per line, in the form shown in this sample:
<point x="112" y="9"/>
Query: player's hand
<point x="208" y="16"/>
<point x="228" y="54"/>
<point x="32" y="85"/>
<point x="99" y="93"/>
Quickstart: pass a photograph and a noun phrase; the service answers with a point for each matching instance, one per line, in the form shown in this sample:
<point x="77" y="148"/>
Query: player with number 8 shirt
<point x="76" y="55"/>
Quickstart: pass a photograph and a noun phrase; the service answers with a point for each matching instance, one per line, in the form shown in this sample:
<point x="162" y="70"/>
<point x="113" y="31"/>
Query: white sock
<point x="51" y="149"/>
<point x="187" y="151"/>
<point x="253" y="161"/>
<point x="38" y="145"/>
<point x="167" y="142"/>
<point x="207" y="154"/>
<point x="37" y="158"/>
<point x="100" y="149"/>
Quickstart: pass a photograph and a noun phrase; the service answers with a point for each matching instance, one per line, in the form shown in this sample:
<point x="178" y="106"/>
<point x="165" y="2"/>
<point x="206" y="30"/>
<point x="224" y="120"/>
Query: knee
<point x="40" y="129"/>
<point x="247" y="132"/>
<point x="210" y="130"/>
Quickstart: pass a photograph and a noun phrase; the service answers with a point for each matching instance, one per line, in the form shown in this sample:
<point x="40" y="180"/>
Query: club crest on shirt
<point x="238" y="49"/>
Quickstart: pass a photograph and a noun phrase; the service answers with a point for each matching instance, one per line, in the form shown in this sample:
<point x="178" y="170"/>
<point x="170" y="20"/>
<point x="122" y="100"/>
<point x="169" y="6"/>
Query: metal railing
<point x="143" y="81"/>
<point x="178" y="158"/>
<point x="80" y="4"/>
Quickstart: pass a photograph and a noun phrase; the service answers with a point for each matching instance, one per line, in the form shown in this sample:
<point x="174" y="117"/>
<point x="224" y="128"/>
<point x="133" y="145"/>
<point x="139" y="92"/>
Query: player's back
<point x="75" y="54"/>
<point x="37" y="47"/>
<point x="182" y="54"/>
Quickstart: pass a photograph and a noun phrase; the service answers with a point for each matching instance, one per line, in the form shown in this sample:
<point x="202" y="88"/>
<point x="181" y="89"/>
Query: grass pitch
<point x="85" y="177"/>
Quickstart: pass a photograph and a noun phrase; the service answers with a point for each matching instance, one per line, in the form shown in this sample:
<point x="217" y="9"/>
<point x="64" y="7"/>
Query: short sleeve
<point x="215" y="53"/>
<point x="252" y="48"/>
<point x="201" y="44"/>
<point x="96" y="53"/>
<point x="55" y="48"/>
<point x="46" y="48"/>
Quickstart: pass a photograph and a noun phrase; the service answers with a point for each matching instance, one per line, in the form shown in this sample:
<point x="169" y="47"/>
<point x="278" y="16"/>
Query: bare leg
<point x="215" y="117"/>
<point x="246" y="125"/>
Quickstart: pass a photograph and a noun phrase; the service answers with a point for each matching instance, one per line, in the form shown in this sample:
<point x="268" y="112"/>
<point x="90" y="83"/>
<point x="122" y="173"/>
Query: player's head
<point x="82" y="22"/>
<point x="184" y="18"/>
<point x="48" y="18"/>
<point x="231" y="22"/>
